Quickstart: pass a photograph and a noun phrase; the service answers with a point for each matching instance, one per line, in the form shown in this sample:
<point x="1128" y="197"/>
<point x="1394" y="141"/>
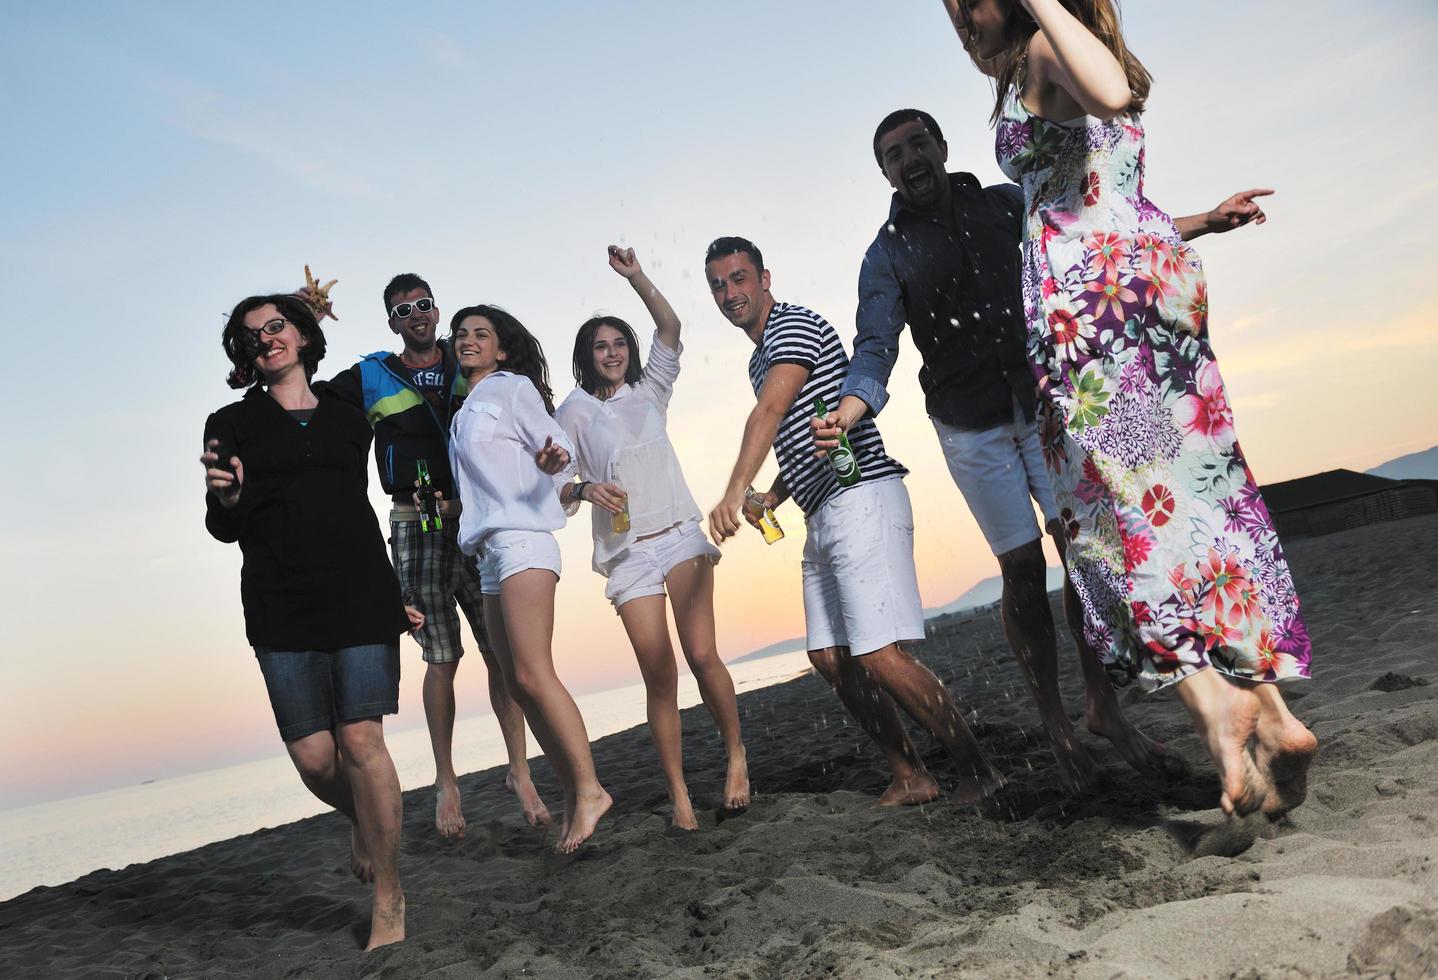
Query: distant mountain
<point x="989" y="591"/>
<point x="985" y="593"/>
<point x="790" y="645"/>
<point x="1415" y="466"/>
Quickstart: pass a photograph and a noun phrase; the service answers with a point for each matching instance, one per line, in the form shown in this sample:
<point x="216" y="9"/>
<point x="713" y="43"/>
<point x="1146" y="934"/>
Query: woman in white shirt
<point x="616" y="420"/>
<point x="505" y="451"/>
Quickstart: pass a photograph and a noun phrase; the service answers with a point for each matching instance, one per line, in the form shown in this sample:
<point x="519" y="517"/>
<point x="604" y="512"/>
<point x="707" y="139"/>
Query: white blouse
<point x="623" y="440"/>
<point x="493" y="439"/>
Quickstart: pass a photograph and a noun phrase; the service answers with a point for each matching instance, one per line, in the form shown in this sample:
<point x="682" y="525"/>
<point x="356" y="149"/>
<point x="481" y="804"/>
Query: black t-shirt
<point x="430" y="383"/>
<point x="316" y="575"/>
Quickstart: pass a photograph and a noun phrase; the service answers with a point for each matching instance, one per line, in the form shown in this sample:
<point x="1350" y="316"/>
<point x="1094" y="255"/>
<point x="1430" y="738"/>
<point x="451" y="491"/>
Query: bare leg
<point x="1284" y="750"/>
<point x="504" y="660"/>
<point x="1029" y="626"/>
<point x="648" y="628"/>
<point x="877" y="714"/>
<point x="372" y="778"/>
<point x="924" y="697"/>
<point x="317" y="760"/>
<point x="1225" y="715"/>
<point x="527" y="612"/>
<point x="439" y="714"/>
<point x="691" y="593"/>
<point x="1102" y="714"/>
<point x="511" y="722"/>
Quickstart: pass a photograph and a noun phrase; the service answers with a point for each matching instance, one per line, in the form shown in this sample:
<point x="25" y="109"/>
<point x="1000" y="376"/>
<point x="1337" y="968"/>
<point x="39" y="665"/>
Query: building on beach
<point x="1342" y="499"/>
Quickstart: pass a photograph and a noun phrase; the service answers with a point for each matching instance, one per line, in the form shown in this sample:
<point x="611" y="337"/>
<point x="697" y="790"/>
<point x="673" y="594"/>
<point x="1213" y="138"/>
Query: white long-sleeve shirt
<point x="493" y="439"/>
<point x="623" y="440"/>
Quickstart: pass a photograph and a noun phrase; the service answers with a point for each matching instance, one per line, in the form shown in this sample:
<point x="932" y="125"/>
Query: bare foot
<point x="360" y="863"/>
<point x="536" y="814"/>
<point x="587" y="812"/>
<point x="1284" y="750"/>
<point x="386" y="921"/>
<point x="684" y="817"/>
<point x="736" y="784"/>
<point x="1225" y="716"/>
<point x="910" y="790"/>
<point x="1077" y="771"/>
<point x="448" y="813"/>
<point x="1141" y="752"/>
<point x="980" y="786"/>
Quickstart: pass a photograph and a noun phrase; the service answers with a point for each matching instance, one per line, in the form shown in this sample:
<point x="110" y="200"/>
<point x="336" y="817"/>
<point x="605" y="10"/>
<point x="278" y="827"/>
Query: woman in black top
<point x="286" y="476"/>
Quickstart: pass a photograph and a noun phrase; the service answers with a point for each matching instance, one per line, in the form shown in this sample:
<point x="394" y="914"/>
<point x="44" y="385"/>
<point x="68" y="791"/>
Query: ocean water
<point x="52" y="843"/>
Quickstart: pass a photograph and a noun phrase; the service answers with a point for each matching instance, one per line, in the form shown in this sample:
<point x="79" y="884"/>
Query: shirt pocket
<point x="483" y="422"/>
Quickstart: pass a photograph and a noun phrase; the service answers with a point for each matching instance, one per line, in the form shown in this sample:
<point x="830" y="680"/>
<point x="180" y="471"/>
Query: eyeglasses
<point x="270" y="327"/>
<point x="403" y="311"/>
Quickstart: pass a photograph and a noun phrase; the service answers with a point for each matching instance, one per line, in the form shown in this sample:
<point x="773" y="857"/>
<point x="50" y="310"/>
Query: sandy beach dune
<point x="1145" y="879"/>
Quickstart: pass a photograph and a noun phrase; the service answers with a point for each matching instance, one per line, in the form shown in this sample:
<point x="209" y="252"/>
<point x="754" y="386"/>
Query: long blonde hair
<point x="1102" y="20"/>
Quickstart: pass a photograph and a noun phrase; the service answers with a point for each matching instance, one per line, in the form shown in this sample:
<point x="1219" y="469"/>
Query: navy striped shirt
<point x="795" y="335"/>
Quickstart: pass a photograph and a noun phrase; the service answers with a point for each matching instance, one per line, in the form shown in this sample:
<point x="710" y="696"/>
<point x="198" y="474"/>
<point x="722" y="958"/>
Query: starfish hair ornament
<point x="317" y="297"/>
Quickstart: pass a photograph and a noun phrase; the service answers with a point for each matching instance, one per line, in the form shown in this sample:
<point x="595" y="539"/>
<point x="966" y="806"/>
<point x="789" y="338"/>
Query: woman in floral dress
<point x="1169" y="545"/>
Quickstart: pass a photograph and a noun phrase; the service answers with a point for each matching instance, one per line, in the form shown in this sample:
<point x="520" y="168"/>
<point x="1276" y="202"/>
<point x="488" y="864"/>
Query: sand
<point x="1146" y="879"/>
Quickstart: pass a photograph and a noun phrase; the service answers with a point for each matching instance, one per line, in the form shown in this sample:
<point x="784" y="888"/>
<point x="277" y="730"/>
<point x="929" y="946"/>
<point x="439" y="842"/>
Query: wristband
<point x="579" y="489"/>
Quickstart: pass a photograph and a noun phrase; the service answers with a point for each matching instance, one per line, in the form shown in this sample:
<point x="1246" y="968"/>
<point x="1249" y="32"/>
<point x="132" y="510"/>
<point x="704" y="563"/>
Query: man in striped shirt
<point x="861" y="593"/>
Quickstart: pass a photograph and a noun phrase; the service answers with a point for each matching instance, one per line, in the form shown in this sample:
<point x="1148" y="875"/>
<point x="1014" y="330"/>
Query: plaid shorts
<point x="433" y="575"/>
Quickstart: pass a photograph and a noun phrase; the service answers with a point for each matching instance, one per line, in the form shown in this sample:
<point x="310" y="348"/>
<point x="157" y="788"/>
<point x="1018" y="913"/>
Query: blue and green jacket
<point x="407" y="428"/>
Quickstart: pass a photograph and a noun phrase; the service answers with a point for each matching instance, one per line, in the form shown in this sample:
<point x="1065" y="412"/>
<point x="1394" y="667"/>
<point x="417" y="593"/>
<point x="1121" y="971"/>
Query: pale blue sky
<point x="163" y="160"/>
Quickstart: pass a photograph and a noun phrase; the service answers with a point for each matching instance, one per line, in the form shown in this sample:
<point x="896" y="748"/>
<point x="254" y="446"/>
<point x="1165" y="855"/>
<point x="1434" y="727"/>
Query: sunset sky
<point x="163" y="160"/>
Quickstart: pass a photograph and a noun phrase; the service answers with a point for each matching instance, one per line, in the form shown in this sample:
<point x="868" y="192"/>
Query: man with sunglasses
<point x="410" y="398"/>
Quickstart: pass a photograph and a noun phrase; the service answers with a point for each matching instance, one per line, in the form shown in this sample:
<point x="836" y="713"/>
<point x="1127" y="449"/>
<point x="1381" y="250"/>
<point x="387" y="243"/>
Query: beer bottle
<point x="429" y="519"/>
<point x="841" y="457"/>
<point x="619" y="523"/>
<point x="768" y="523"/>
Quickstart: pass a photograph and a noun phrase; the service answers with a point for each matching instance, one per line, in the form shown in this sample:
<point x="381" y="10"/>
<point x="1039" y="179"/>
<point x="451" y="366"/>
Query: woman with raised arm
<point x="505" y="451"/>
<point x="285" y="471"/>
<point x="647" y="539"/>
<point x="1170" y="546"/>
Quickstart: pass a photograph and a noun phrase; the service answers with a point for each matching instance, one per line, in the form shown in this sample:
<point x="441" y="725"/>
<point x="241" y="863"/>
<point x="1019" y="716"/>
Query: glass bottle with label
<point x="841" y="457"/>
<point x="429" y="519"/>
<point x="768" y="523"/>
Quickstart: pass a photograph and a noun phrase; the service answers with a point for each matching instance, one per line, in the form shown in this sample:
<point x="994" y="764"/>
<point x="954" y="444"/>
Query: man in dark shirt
<point x="947" y="263"/>
<point x="410" y="398"/>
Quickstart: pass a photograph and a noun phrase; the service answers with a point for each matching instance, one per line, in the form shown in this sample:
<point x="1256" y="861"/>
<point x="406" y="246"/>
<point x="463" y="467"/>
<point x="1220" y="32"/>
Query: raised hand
<point x="221" y="482"/>
<point x="622" y="261"/>
<point x="1238" y="210"/>
<point x="551" y="458"/>
<point x="317" y="297"/>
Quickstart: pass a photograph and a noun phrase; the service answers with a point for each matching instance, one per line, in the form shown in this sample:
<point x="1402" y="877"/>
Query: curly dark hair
<point x="585" y="374"/>
<point x="523" y="355"/>
<point x="240" y="343"/>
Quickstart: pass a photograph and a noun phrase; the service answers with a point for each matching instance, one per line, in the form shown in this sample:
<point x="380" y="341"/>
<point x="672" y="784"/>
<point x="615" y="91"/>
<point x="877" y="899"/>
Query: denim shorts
<point x="314" y="690"/>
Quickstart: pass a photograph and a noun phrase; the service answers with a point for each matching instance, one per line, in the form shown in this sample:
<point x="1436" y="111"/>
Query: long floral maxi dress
<point x="1171" y="548"/>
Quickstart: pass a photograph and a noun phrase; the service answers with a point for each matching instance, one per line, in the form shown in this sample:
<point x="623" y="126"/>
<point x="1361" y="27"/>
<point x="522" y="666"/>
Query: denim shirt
<point x="958" y="289"/>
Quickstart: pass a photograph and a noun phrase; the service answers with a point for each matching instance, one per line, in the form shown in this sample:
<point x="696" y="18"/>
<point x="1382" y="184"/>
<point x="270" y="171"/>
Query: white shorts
<point x="1000" y="472"/>
<point x="860" y="587"/>
<point x="506" y="553"/>
<point x="640" y="569"/>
